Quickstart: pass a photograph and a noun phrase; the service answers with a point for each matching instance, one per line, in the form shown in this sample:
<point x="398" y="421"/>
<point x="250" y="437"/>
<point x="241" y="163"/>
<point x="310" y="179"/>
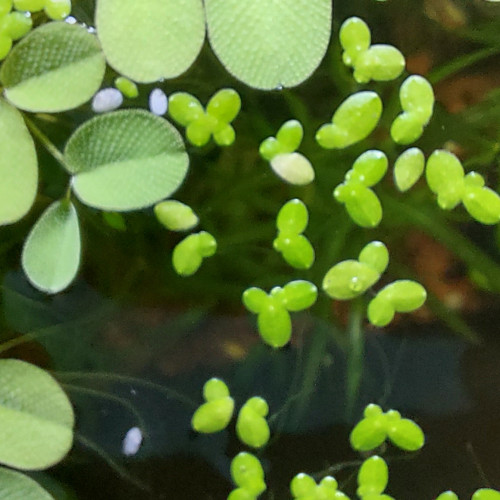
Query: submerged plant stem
<point x="45" y="141"/>
<point x="355" y="354"/>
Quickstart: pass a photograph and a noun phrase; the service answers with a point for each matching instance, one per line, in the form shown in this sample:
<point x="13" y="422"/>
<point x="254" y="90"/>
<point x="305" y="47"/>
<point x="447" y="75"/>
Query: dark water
<point x="114" y="360"/>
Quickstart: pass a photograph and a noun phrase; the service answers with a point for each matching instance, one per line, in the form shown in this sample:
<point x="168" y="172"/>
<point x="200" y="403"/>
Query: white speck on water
<point x="133" y="392"/>
<point x="70" y="20"/>
<point x="132" y="442"/>
<point x="106" y="100"/>
<point x="158" y="102"/>
<point x="91" y="29"/>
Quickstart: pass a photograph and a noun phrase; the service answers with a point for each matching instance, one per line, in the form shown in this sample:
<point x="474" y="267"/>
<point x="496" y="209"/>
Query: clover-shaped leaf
<point x="251" y="425"/>
<point x="370" y="62"/>
<point x="350" y="278"/>
<point x="188" y="254"/>
<point x="215" y="414"/>
<point x="417" y="100"/>
<point x="370" y="432"/>
<point x="273" y="318"/>
<point x="280" y="151"/>
<point x="399" y="296"/>
<point x="291" y="243"/>
<point x="222" y="108"/>
<point x="304" y="487"/>
<point x="353" y="121"/>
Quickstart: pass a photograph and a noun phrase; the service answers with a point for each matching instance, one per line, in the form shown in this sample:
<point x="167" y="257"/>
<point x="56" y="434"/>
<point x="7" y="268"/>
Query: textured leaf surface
<point x="51" y="254"/>
<point x="269" y="45"/>
<point x="36" y="415"/>
<point x="126" y="160"/>
<point x="150" y="39"/>
<point x="55" y="68"/>
<point x="17" y="486"/>
<point x="18" y="166"/>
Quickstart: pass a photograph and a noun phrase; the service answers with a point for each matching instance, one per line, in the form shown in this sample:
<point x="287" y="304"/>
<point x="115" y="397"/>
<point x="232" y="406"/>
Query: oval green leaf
<point x="269" y="45"/>
<point x="126" y="160"/>
<point x="36" y="415"/>
<point x="51" y="253"/>
<point x="57" y="67"/>
<point x="150" y="39"/>
<point x="18" y="166"/>
<point x="15" y="485"/>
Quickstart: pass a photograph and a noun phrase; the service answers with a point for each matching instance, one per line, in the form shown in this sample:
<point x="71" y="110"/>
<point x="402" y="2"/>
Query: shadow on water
<point x="125" y="367"/>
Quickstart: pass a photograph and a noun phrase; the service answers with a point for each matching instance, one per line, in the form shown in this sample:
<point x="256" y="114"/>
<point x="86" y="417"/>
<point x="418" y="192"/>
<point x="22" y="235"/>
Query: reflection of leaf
<point x="266" y="44"/>
<point x="51" y="254"/>
<point x="14" y="485"/>
<point x="55" y="68"/>
<point x="148" y="40"/>
<point x="18" y="166"/>
<point x="126" y="160"/>
<point x="36" y="417"/>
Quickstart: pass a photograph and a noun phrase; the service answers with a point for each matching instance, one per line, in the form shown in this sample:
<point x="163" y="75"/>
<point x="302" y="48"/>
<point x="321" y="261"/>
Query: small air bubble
<point x="158" y="102"/>
<point x="106" y="100"/>
<point x="70" y="20"/>
<point x="132" y="442"/>
<point x="91" y="29"/>
<point x="279" y="86"/>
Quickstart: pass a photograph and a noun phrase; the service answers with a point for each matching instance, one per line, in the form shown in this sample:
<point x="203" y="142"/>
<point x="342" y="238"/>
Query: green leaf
<point x="18" y="166"/>
<point x="51" y="253"/>
<point x="150" y="39"/>
<point x="373" y="476"/>
<point x="269" y="45"/>
<point x="486" y="494"/>
<point x="56" y="67"/>
<point x="406" y="434"/>
<point x="36" y="415"/>
<point x="349" y="279"/>
<point x="15" y="485"/>
<point x="126" y="160"/>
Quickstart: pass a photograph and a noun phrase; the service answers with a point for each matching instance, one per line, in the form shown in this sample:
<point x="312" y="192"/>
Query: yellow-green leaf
<point x="18" y="166"/>
<point x="51" y="253"/>
<point x="15" y="486"/>
<point x="269" y="45"/>
<point x="126" y="160"/>
<point x="148" y="40"/>
<point x="56" y="67"/>
<point x="36" y="417"/>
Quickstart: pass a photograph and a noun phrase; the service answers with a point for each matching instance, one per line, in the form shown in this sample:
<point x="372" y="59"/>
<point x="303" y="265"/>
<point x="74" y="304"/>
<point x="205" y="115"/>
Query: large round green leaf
<point x="148" y="40"/>
<point x="126" y="160"/>
<point x="17" y="486"/>
<point x="269" y="44"/>
<point x="51" y="253"/>
<point x="18" y="166"/>
<point x="56" y="67"/>
<point x="36" y="417"/>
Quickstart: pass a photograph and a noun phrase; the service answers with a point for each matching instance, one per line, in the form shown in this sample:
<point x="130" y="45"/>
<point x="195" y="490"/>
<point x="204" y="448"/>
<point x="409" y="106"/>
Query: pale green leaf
<point x="18" y="166"/>
<point x="126" y="160"/>
<point x="51" y="253"/>
<point x="56" y="67"/>
<point x="17" y="486"/>
<point x="269" y="45"/>
<point x="150" y="39"/>
<point x="36" y="417"/>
